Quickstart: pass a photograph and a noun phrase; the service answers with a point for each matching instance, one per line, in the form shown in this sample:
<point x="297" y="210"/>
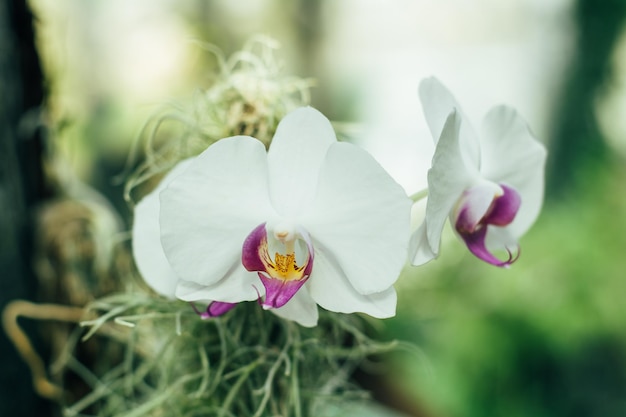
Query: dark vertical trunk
<point x="577" y="143"/>
<point x="21" y="187"/>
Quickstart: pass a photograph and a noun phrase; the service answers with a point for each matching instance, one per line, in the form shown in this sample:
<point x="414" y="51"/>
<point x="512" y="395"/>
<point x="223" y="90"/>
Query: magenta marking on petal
<point x="464" y="221"/>
<point x="279" y="292"/>
<point x="214" y="309"/>
<point x="504" y="208"/>
<point x="281" y="275"/>
<point x="476" y="244"/>
<point x="250" y="252"/>
<point x="473" y="205"/>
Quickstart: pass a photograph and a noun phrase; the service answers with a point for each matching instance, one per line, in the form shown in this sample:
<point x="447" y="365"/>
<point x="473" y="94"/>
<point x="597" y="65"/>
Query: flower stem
<point x="419" y="195"/>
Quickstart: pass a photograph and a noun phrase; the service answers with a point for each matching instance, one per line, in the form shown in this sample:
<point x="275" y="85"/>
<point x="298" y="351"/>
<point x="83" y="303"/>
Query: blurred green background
<point x="545" y="338"/>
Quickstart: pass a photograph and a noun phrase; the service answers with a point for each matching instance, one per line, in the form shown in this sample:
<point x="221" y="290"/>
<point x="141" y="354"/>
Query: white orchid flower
<point x="311" y="221"/>
<point x="490" y="187"/>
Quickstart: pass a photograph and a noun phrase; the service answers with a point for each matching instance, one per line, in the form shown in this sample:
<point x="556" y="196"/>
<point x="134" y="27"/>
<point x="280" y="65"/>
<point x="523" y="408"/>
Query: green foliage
<point x="545" y="338"/>
<point x="577" y="143"/>
<point x="247" y="363"/>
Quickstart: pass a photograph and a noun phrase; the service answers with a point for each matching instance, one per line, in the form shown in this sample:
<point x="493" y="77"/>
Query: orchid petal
<point x="437" y="103"/>
<point x="512" y="156"/>
<point x="207" y="212"/>
<point x="501" y="239"/>
<point x="146" y="243"/>
<point x="447" y="179"/>
<point x="362" y="216"/>
<point x="295" y="157"/>
<point x="238" y="285"/>
<point x="301" y="309"/>
<point x="330" y="288"/>
<point x="419" y="248"/>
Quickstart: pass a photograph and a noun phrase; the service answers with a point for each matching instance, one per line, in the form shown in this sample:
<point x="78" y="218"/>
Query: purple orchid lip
<point x="501" y="212"/>
<point x="504" y="208"/>
<point x="281" y="276"/>
<point x="214" y="309"/>
<point x="476" y="244"/>
<point x="278" y="292"/>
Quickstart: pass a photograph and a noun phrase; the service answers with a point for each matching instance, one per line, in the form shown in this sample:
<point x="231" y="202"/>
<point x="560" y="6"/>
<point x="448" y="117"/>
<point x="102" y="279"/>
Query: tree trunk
<point x="21" y="187"/>
<point x="577" y="145"/>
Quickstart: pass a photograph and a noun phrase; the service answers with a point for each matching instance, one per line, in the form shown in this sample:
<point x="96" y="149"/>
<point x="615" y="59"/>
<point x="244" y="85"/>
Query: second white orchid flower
<point x="490" y="187"/>
<point x="311" y="221"/>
